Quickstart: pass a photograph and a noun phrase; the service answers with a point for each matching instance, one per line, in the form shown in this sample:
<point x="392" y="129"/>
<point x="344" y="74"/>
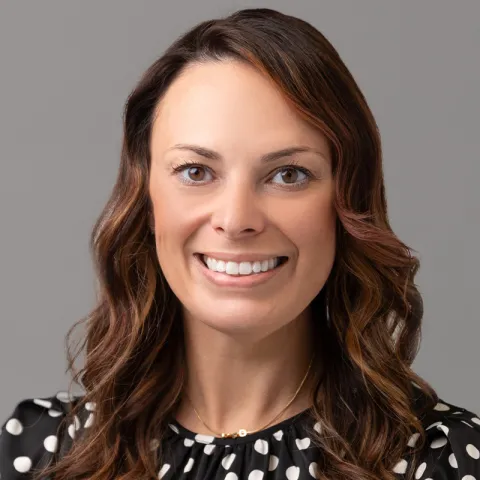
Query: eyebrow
<point x="268" y="157"/>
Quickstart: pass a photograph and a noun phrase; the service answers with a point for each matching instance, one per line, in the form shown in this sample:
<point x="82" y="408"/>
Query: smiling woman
<point x="233" y="197"/>
<point x="257" y="315"/>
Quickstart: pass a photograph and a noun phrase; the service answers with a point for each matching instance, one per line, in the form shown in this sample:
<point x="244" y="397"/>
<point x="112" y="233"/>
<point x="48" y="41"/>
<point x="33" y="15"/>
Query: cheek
<point x="314" y="235"/>
<point x="176" y="221"/>
<point x="315" y="227"/>
<point x="316" y="222"/>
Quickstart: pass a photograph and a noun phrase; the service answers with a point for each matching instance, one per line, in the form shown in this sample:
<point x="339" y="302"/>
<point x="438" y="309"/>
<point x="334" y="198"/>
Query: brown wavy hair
<point x="134" y="367"/>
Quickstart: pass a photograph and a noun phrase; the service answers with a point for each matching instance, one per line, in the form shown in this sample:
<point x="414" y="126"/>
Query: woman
<point x="257" y="317"/>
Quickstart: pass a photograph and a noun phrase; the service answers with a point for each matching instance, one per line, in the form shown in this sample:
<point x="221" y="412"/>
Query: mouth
<point x="243" y="268"/>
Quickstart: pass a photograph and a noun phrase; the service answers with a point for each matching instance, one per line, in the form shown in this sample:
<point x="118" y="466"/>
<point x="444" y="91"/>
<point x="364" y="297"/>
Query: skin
<point x="247" y="348"/>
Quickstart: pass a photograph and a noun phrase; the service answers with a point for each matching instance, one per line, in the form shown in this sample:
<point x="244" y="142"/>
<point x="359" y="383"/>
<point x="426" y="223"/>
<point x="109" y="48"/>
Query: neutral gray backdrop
<point x="66" y="69"/>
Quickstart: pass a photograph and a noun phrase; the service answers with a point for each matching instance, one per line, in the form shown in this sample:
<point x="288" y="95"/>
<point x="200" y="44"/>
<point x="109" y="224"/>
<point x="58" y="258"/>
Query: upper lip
<point x="240" y="257"/>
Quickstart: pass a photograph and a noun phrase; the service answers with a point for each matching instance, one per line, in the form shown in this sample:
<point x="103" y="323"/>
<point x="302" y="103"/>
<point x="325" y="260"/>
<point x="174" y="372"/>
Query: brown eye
<point x="289" y="175"/>
<point x="292" y="176"/>
<point x="191" y="173"/>
<point x="196" y="173"/>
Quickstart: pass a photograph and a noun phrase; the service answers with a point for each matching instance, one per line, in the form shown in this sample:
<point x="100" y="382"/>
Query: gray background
<point x="66" y="69"/>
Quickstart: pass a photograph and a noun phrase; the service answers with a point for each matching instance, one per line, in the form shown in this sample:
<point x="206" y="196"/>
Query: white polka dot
<point x="71" y="430"/>
<point x="317" y="427"/>
<point x="463" y="421"/>
<point x="165" y="468"/>
<point x="468" y="477"/>
<point x="77" y="422"/>
<point x="174" y="428"/>
<point x="22" y="464"/>
<point x="209" y="449"/>
<point x="278" y="435"/>
<point x="14" y="426"/>
<point x="438" y="442"/>
<point x="204" y="438"/>
<point x="441" y="407"/>
<point x="231" y="476"/>
<point x="401" y="466"/>
<point x="188" y="442"/>
<point x="89" y="421"/>
<point x="443" y="428"/>
<point x="433" y="425"/>
<point x="42" y="403"/>
<point x="302" y="443"/>
<point x="420" y="470"/>
<point x="413" y="440"/>
<point x="228" y="460"/>
<point x="472" y="450"/>
<point x="51" y="443"/>
<point x="90" y="406"/>
<point x="189" y="465"/>
<point x="452" y="460"/>
<point x="293" y="473"/>
<point x="313" y="470"/>
<point x="475" y="420"/>
<point x="54" y="413"/>
<point x="64" y="397"/>
<point x="272" y="463"/>
<point x="261" y="446"/>
<point x="255" y="475"/>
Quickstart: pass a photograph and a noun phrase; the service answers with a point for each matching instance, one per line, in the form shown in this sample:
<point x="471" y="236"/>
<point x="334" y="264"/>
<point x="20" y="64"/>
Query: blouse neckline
<point x="179" y="429"/>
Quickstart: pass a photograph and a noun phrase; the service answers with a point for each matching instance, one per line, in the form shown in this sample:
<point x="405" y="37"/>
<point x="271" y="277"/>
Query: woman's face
<point x="227" y="204"/>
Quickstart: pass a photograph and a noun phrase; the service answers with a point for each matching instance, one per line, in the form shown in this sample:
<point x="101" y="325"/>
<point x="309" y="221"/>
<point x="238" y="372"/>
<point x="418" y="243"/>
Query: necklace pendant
<point x="241" y="433"/>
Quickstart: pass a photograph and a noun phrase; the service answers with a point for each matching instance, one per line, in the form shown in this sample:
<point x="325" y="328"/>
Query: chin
<point x="242" y="316"/>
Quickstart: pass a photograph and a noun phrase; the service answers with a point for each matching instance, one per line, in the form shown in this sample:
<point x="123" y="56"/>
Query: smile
<point x="242" y="268"/>
<point x="229" y="273"/>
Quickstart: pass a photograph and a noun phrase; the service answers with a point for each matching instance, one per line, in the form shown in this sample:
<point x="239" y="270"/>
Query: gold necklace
<point x="243" y="432"/>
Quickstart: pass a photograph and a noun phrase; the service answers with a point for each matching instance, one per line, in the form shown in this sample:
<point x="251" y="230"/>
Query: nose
<point x="237" y="212"/>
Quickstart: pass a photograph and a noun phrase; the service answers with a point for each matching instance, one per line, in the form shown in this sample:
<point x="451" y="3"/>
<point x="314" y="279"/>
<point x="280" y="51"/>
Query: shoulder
<point x="452" y="448"/>
<point x="30" y="437"/>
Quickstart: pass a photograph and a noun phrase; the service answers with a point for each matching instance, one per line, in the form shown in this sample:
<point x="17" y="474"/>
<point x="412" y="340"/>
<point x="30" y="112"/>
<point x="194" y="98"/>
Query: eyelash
<point x="293" y="165"/>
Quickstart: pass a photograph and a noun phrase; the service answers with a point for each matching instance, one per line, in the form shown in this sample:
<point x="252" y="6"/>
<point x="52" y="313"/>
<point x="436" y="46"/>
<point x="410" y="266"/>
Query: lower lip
<point x="241" y="281"/>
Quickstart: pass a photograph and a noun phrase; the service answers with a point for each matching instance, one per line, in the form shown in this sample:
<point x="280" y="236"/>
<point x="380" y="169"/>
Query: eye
<point x="292" y="175"/>
<point x="191" y="173"/>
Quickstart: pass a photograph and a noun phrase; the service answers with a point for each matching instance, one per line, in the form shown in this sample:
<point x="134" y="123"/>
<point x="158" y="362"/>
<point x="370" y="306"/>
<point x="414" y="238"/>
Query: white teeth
<point x="232" y="268"/>
<point x="245" y="268"/>
<point x="242" y="268"/>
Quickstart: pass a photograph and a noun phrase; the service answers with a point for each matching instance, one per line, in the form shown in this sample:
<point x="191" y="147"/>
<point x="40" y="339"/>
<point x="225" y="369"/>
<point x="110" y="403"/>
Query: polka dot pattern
<point x="283" y="451"/>
<point x="30" y="435"/>
<point x="272" y="463"/>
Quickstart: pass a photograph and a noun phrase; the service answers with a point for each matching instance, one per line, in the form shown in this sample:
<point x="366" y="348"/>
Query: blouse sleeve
<point x="452" y="449"/>
<point x="29" y="437"/>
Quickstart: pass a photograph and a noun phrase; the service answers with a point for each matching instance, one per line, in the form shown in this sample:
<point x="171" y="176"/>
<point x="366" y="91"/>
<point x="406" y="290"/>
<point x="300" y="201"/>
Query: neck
<point x="243" y="383"/>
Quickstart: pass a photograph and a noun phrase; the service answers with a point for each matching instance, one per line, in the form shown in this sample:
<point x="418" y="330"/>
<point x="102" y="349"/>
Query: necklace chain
<point x="243" y="432"/>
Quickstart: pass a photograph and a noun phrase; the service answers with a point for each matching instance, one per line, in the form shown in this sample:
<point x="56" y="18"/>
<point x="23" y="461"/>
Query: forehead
<point x="229" y="105"/>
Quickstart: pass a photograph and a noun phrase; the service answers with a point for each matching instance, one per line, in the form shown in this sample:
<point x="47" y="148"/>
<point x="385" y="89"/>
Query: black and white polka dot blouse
<point x="30" y="439"/>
